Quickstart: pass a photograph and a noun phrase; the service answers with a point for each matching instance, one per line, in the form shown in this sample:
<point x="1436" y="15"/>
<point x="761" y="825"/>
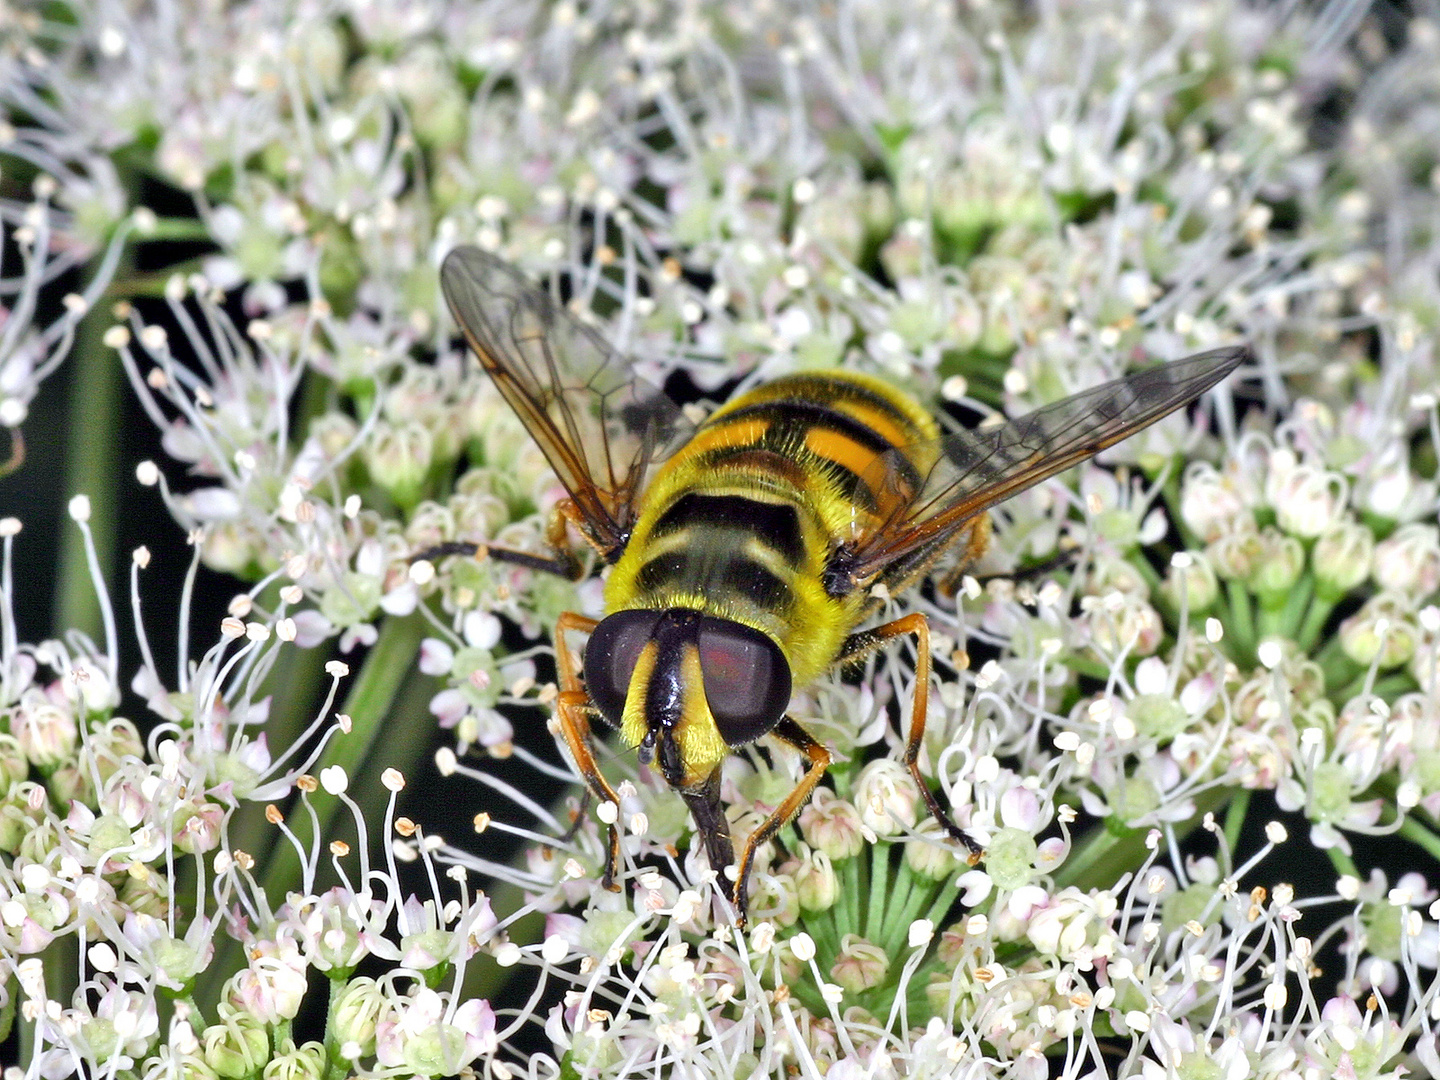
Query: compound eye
<point x="610" y="657"/>
<point x="747" y="681"/>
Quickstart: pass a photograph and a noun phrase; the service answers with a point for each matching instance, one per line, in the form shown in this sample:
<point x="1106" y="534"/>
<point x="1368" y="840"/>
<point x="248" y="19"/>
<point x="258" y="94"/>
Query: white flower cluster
<point x="104" y="837"/>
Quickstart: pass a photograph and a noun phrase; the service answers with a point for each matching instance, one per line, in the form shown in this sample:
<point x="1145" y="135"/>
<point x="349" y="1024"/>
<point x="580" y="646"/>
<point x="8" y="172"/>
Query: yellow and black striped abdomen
<point x="743" y="520"/>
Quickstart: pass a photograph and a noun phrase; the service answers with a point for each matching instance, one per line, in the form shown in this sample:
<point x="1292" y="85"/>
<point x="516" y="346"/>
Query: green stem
<point x="1387" y="687"/>
<point x="1268" y="617"/>
<point x="1084" y="666"/>
<point x="1141" y="566"/>
<point x="92" y="451"/>
<point x="1414" y="831"/>
<point x="898" y="910"/>
<point x="1102" y="856"/>
<point x="879" y="887"/>
<point x="1235" y="819"/>
<point x="1284" y="619"/>
<point x="8" y="1012"/>
<point x="1343" y="863"/>
<point x="1314" y="622"/>
<point x="1092" y="850"/>
<point x="1241" y="630"/>
<point x="854" y="887"/>
<point x="1332" y="652"/>
<point x="172" y="228"/>
<point x="1190" y="541"/>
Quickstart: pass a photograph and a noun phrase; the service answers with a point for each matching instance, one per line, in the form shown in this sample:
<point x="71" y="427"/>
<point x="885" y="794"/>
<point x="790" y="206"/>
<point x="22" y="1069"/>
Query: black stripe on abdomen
<point x="795" y="423"/>
<point x="790" y="415"/>
<point x="776" y="525"/>
<point x="735" y="575"/>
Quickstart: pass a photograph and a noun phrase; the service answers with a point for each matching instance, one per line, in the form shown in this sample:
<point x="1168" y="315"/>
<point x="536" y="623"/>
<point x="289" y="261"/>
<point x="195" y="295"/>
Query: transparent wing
<point x="599" y="424"/>
<point x="974" y="470"/>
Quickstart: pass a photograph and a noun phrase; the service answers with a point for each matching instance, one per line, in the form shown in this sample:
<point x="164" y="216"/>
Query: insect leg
<point x="580" y="812"/>
<point x="572" y="708"/>
<point x="787" y="731"/>
<point x="861" y="644"/>
<point x="976" y="541"/>
<point x="561" y="563"/>
<point x="529" y="560"/>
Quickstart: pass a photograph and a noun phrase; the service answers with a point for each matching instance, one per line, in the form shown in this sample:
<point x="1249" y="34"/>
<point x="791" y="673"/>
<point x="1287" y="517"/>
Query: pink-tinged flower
<point x="271" y="988"/>
<point x="1212" y="504"/>
<point x="172" y="962"/>
<point x="886" y="797"/>
<point x="46" y="732"/>
<point x="1342" y="557"/>
<point x="1307" y="500"/>
<point x="424" y="1033"/>
<point x="1348" y="1044"/>
<point x="339" y="929"/>
<point x="1408" y="561"/>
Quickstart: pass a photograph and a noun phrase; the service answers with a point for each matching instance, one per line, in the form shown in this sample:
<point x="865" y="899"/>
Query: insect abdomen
<point x="742" y="521"/>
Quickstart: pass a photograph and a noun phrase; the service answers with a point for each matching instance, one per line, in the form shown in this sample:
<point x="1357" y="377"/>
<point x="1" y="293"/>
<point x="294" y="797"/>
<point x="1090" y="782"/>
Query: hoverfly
<point x="741" y="569"/>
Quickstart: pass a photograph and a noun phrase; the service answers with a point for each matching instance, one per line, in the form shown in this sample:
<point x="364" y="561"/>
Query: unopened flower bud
<point x="70" y="783"/>
<point x="45" y="732"/>
<point x="1380" y="632"/>
<point x="1195" y="903"/>
<point x="109" y="837"/>
<point x="194" y="1066"/>
<point x="15" y="825"/>
<point x="1308" y="500"/>
<point x="1342" y="558"/>
<point x="1134" y="627"/>
<point x="399" y="458"/>
<point x="832" y="825"/>
<point x="147" y="894"/>
<point x="1210" y="504"/>
<point x="354" y="1013"/>
<point x="1408" y="561"/>
<point x="1330" y="792"/>
<point x="815" y="882"/>
<point x="1279" y="566"/>
<point x="934" y="857"/>
<point x="1235" y="554"/>
<point x="1132" y="799"/>
<point x="1196" y="579"/>
<point x="237" y="1046"/>
<point x="1157" y="717"/>
<point x="1114" y="574"/>
<point x="13" y="765"/>
<point x="112" y="744"/>
<point x="196" y="826"/>
<point x="860" y="964"/>
<point x="775" y="895"/>
<point x="270" y="988"/>
<point x="886" y="796"/>
<point x="1389" y="488"/>
<point x="1066" y="925"/>
<point x="297" y="1062"/>
<point x="331" y="433"/>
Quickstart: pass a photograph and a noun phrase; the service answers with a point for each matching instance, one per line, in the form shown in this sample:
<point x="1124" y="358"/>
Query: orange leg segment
<point x="573" y="707"/>
<point x="859" y="645"/>
<point x="787" y="731"/>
